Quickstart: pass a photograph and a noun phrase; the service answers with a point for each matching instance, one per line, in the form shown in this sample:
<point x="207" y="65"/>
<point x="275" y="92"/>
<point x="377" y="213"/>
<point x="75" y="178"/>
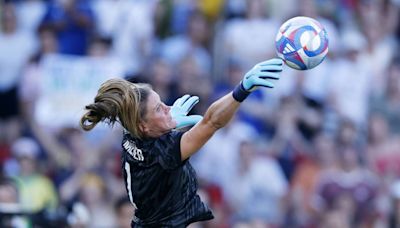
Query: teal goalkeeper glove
<point x="181" y="108"/>
<point x="260" y="75"/>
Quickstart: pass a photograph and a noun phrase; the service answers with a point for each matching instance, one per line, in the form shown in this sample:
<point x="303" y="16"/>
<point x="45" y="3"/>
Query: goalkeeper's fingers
<point x="190" y="103"/>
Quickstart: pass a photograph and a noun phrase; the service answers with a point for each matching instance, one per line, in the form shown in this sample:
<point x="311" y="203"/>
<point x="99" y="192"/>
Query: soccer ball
<point x="302" y="42"/>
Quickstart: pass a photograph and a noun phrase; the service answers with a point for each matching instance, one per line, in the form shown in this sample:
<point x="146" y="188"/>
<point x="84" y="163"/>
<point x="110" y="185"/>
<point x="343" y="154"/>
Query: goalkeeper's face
<point x="158" y="120"/>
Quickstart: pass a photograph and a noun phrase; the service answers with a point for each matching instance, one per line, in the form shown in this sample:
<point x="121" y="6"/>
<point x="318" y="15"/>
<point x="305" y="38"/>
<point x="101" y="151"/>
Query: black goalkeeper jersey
<point x="161" y="187"/>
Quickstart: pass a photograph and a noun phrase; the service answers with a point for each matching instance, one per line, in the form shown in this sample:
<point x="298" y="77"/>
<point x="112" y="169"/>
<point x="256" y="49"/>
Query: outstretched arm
<point x="216" y="117"/>
<point x="222" y="110"/>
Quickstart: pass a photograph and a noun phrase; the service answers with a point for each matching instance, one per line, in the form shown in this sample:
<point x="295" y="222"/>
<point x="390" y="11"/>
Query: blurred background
<point x="322" y="149"/>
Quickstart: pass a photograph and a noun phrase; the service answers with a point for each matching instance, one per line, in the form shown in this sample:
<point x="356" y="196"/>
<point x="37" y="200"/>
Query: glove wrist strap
<point x="239" y="93"/>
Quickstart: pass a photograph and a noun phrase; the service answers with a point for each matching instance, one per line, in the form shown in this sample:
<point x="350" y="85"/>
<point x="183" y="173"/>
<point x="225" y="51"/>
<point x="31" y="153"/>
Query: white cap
<point x="353" y="40"/>
<point x="25" y="147"/>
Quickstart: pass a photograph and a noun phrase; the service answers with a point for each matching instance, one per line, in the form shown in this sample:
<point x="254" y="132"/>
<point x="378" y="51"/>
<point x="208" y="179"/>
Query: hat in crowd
<point x="353" y="40"/>
<point x="25" y="147"/>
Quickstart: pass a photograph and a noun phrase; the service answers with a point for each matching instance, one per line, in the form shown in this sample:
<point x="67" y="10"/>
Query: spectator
<point x="36" y="191"/>
<point x="218" y="168"/>
<point x="388" y="103"/>
<point x="161" y="77"/>
<point x="10" y="209"/>
<point x="287" y="143"/>
<point x="12" y="38"/>
<point x="93" y="195"/>
<point x="87" y="189"/>
<point x="322" y="158"/>
<point x="30" y="14"/>
<point x="354" y="106"/>
<point x="250" y="39"/>
<point x="316" y="81"/>
<point x="378" y="20"/>
<point x="352" y="189"/>
<point x="133" y="34"/>
<point x="8" y="191"/>
<point x="251" y="195"/>
<point x="73" y="21"/>
<point x="383" y="149"/>
<point x="193" y="43"/>
<point x="29" y="85"/>
<point x="124" y="212"/>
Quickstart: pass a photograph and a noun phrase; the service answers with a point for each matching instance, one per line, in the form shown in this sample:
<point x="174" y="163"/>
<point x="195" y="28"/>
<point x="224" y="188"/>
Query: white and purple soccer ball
<point x="302" y="42"/>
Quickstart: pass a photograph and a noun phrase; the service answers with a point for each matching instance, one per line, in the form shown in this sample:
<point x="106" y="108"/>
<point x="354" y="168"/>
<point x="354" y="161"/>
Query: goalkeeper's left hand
<point x="181" y="108"/>
<point x="262" y="75"/>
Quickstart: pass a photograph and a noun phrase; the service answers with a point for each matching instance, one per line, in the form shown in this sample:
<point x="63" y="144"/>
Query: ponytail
<point x="118" y="100"/>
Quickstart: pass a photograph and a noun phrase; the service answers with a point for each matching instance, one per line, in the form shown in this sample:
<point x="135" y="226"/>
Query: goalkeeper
<point x="160" y="182"/>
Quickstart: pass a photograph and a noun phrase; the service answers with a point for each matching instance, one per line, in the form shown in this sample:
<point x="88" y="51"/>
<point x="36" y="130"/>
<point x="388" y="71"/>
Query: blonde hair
<point x="118" y="100"/>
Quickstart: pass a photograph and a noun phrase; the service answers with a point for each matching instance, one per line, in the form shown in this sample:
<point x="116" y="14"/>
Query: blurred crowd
<point x="322" y="149"/>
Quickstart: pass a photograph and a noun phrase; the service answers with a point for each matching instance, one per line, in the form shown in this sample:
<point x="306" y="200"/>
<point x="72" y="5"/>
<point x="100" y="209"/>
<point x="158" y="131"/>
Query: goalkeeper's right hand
<point x="181" y="108"/>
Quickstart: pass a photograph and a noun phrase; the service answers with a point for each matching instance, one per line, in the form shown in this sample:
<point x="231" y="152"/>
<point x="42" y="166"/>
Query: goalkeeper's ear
<point x="142" y="127"/>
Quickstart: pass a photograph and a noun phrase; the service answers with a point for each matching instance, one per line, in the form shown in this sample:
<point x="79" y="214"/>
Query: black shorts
<point x="9" y="103"/>
<point x="133" y="225"/>
<point x="202" y="217"/>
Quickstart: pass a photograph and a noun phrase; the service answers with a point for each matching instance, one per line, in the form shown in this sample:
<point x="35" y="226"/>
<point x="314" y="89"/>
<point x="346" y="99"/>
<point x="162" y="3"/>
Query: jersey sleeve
<point x="168" y="149"/>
